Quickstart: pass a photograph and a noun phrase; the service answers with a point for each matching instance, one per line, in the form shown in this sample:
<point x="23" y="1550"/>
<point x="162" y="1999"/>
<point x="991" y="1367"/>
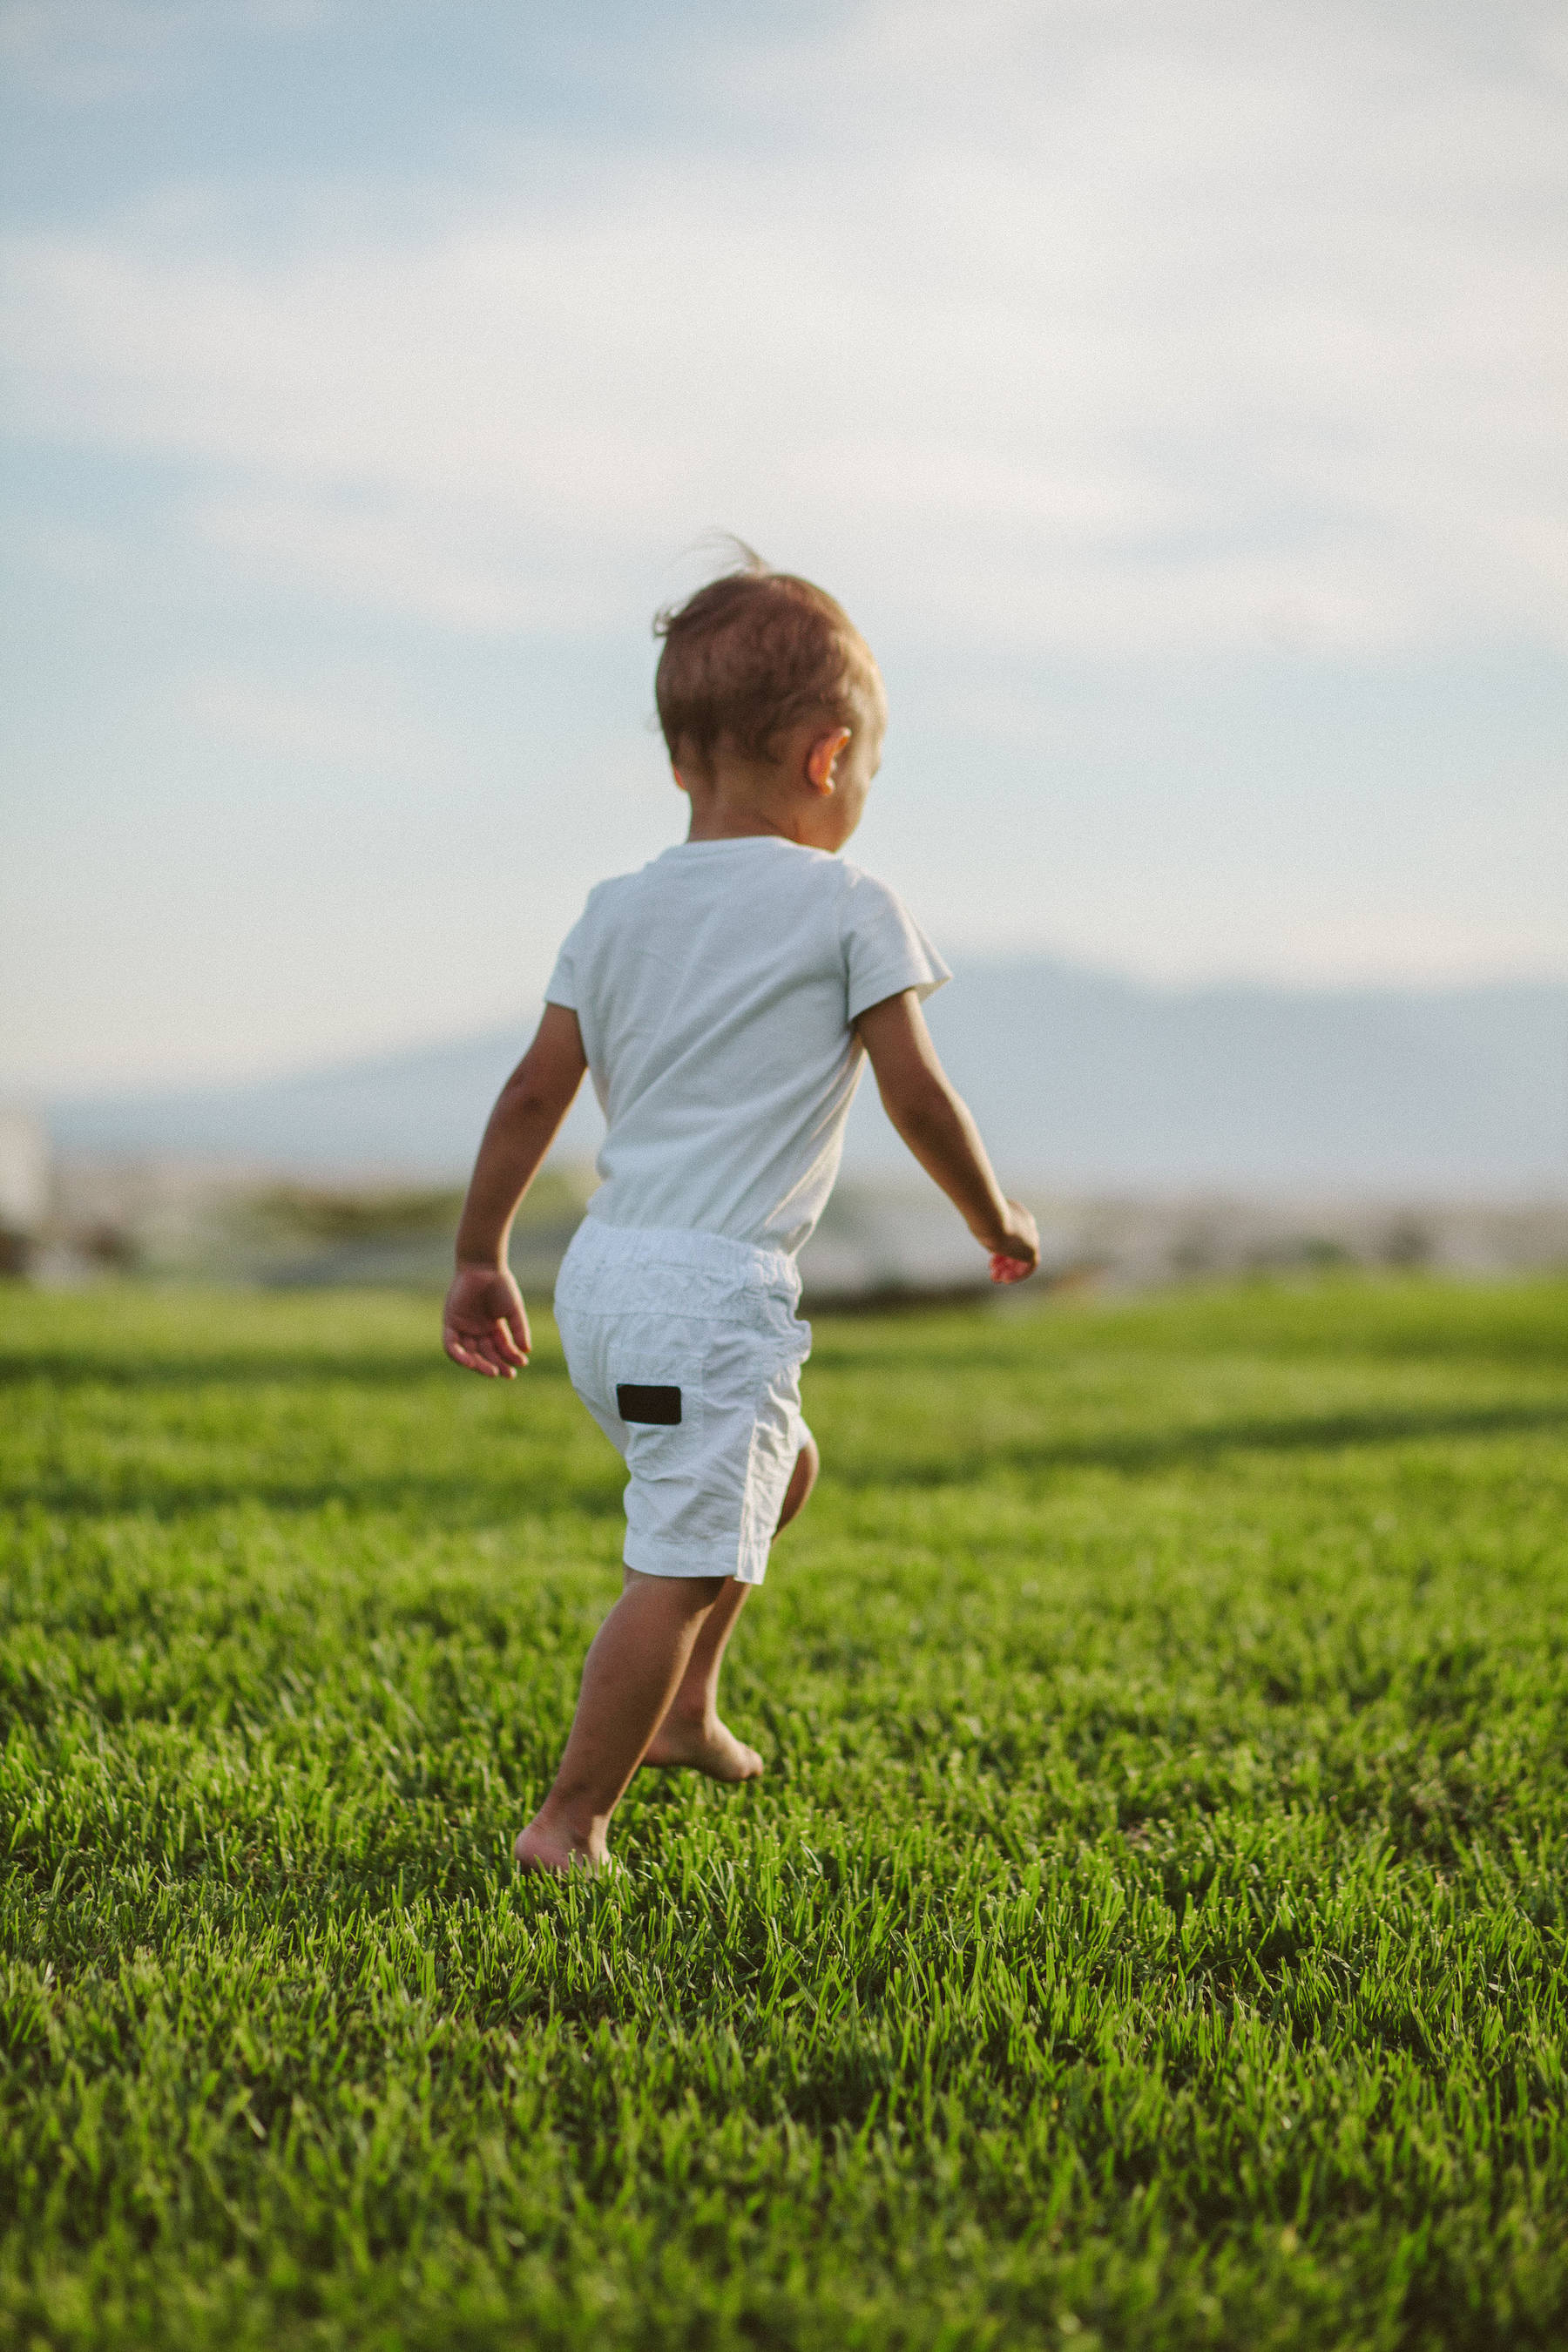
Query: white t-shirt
<point x="714" y="991"/>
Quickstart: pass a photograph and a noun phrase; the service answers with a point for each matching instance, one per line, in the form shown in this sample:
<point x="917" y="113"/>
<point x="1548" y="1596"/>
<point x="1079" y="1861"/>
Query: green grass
<point x="1149" y="1931"/>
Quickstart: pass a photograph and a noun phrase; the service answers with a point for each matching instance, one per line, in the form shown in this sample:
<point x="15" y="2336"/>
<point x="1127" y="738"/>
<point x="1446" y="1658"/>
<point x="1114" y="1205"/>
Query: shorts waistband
<point x="677" y="1275"/>
<point x="683" y="1245"/>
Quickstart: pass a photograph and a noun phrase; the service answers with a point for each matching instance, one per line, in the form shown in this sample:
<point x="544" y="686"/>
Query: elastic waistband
<point x="614" y="1263"/>
<point x="771" y="1269"/>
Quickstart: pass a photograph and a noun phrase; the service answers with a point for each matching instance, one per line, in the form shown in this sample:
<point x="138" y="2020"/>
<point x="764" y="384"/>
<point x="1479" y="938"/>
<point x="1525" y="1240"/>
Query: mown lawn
<point x="1150" y="1932"/>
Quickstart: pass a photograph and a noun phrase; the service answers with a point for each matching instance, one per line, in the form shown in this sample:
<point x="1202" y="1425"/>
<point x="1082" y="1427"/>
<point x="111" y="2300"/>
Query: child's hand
<point x="1021" y="1256"/>
<point x="484" y="1327"/>
<point x="1009" y="1269"/>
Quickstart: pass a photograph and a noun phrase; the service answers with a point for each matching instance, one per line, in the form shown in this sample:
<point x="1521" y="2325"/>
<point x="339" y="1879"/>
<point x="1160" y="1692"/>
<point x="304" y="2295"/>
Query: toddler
<point x="724" y="1000"/>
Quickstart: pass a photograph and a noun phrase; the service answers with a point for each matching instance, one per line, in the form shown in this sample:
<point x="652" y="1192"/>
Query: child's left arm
<point x="485" y="1325"/>
<point x="935" y="1122"/>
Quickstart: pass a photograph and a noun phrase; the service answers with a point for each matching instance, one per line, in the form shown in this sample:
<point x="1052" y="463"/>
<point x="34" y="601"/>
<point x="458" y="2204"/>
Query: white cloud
<point x="1039" y="328"/>
<point x="353" y="722"/>
<point x="1076" y="327"/>
<point x="421" y="561"/>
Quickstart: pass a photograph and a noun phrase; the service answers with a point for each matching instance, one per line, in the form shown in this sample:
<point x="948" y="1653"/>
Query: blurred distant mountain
<point x="1097" y="1080"/>
<point x="1078" y="1078"/>
<point x="416" y="1113"/>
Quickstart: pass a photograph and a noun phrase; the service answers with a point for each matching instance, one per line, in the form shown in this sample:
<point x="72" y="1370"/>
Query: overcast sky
<point x="1175" y="395"/>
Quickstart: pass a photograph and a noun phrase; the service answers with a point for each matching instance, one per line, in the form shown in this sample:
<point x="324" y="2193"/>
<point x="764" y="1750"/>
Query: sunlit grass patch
<point x="1150" y="1929"/>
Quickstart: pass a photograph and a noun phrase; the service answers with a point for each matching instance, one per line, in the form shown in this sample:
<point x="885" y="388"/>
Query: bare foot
<point x="542" y="1850"/>
<point x="711" y="1748"/>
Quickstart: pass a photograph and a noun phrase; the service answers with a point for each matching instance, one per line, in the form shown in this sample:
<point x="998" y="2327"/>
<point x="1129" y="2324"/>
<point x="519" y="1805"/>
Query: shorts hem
<point x="727" y="1556"/>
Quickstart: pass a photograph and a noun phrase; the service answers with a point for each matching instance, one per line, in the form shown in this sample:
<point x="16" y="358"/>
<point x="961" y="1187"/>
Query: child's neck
<point x="741" y="800"/>
<point x="741" y="826"/>
<point x="795" y="796"/>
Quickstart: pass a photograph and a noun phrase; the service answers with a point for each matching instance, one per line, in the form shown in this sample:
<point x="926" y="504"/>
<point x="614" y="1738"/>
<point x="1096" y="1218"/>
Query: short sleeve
<point x="885" y="949"/>
<point x="561" y="988"/>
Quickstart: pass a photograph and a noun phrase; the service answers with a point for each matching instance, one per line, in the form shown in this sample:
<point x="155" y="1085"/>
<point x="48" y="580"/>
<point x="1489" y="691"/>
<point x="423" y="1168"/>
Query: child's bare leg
<point x="802" y="1479"/>
<point x="691" y="1732"/>
<point x="632" y="1671"/>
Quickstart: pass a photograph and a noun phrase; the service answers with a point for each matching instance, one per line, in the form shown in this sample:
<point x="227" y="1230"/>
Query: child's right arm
<point x="935" y="1122"/>
<point x="485" y="1326"/>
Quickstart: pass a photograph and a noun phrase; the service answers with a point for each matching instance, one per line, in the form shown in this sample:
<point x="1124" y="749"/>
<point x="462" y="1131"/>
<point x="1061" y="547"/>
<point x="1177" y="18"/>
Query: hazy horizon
<point x="1076" y="1076"/>
<point x="520" y="1027"/>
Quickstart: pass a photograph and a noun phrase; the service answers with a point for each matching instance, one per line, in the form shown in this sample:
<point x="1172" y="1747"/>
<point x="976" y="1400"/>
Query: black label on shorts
<point x="636" y="1404"/>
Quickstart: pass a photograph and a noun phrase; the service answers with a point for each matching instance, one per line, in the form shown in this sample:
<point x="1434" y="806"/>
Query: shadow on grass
<point x="1139" y="1451"/>
<point x="460" y="1498"/>
<point x="455" y="1499"/>
<point x="296" y="1368"/>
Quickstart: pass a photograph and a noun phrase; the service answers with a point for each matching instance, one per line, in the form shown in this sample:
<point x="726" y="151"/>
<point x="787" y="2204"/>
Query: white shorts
<point x="686" y="1349"/>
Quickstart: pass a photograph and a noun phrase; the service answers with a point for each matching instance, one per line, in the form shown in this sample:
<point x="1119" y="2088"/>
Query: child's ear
<point x="823" y="757"/>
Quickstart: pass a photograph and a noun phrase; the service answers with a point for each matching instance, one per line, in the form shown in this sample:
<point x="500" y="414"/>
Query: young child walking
<point x="725" y="999"/>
